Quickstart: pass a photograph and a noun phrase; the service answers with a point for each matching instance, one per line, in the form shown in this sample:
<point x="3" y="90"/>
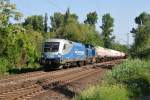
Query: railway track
<point x="32" y="76"/>
<point x="52" y="75"/>
<point x="24" y="76"/>
<point x="17" y="88"/>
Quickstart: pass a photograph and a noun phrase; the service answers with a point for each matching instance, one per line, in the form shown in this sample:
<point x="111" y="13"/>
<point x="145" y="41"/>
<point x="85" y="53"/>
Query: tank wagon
<point x="103" y="54"/>
<point x="64" y="53"/>
<point x="61" y="53"/>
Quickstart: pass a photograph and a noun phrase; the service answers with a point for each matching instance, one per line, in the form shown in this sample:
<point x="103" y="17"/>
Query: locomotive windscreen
<point x="51" y="47"/>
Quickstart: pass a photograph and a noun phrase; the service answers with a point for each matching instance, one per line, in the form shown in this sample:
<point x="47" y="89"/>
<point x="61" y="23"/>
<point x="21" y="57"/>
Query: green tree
<point x="107" y="29"/>
<point x="36" y="22"/>
<point x="68" y="30"/>
<point x="68" y="27"/>
<point x="141" y="36"/>
<point x="59" y="20"/>
<point x="66" y="16"/>
<point x="91" y="18"/>
<point x="60" y="23"/>
<point x="18" y="47"/>
<point x="7" y="11"/>
<point x="45" y="23"/>
<point x="56" y="21"/>
<point x="22" y="47"/>
<point x="90" y="35"/>
<point x="142" y="19"/>
<point x="32" y="47"/>
<point x="69" y="16"/>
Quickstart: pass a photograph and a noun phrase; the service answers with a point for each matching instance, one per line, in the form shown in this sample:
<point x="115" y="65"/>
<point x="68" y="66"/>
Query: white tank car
<point x="100" y="52"/>
<point x="114" y="53"/>
<point x="108" y="53"/>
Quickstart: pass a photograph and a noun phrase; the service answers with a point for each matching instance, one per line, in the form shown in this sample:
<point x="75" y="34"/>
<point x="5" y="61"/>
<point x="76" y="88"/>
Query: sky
<point x="123" y="12"/>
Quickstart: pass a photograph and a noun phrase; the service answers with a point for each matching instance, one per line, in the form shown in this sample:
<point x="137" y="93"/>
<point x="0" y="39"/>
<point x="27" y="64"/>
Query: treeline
<point x="67" y="26"/>
<point x="19" y="47"/>
<point x="20" y="43"/>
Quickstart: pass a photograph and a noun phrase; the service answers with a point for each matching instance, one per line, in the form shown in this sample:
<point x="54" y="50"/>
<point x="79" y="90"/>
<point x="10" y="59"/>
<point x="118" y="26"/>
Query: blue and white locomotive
<point x="65" y="53"/>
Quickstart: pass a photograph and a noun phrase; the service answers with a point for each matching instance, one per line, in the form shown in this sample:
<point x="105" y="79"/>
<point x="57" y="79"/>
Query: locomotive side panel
<point x="76" y="53"/>
<point x="90" y="54"/>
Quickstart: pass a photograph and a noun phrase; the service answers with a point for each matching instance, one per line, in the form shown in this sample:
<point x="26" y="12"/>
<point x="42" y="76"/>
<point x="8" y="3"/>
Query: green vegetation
<point x="107" y="29"/>
<point x="20" y="48"/>
<point x="141" y="46"/>
<point x="20" y="43"/>
<point x="4" y="65"/>
<point x="91" y="18"/>
<point x="104" y="92"/>
<point x="134" y="74"/>
<point x="35" y="22"/>
<point x="67" y="26"/>
<point x="129" y="80"/>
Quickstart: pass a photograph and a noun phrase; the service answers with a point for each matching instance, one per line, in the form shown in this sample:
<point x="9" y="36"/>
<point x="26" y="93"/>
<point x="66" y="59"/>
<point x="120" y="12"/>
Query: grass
<point x="126" y="81"/>
<point x="104" y="92"/>
<point x="131" y="69"/>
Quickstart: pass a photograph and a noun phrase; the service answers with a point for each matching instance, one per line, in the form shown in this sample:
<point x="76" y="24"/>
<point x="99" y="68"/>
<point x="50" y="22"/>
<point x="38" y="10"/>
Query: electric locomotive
<point x="58" y="53"/>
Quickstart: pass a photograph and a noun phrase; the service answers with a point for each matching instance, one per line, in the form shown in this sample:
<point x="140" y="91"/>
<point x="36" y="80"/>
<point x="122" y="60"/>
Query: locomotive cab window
<point x="51" y="47"/>
<point x="66" y="48"/>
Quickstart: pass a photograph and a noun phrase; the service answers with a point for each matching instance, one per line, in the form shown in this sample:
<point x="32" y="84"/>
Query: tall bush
<point x="134" y="74"/>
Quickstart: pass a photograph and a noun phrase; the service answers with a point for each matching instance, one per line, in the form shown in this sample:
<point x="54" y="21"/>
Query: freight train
<point x="61" y="53"/>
